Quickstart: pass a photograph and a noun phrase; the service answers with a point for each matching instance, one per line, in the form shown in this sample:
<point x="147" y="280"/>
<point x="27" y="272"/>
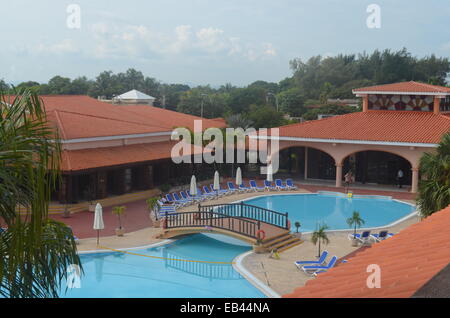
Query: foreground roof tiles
<point x="408" y="260"/>
<point x="404" y="87"/>
<point x="374" y="125"/>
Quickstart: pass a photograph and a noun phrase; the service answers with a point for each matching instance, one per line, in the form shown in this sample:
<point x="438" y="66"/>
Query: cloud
<point x="62" y="47"/>
<point x="117" y="40"/>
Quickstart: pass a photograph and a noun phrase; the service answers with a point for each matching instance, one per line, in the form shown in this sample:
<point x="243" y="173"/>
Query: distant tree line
<point x="265" y="104"/>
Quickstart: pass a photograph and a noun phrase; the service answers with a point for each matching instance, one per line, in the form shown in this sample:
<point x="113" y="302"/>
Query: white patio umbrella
<point x="193" y="189"/>
<point x="98" y="220"/>
<point x="238" y="176"/>
<point x="216" y="185"/>
<point x="269" y="173"/>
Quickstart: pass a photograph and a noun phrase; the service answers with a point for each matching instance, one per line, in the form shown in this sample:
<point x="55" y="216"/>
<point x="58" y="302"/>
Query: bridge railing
<point x="203" y="219"/>
<point x="243" y="210"/>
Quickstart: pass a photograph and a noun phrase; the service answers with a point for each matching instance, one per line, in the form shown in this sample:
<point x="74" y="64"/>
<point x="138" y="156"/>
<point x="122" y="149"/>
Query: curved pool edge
<point x="244" y="272"/>
<point x="406" y="217"/>
<point x="237" y="265"/>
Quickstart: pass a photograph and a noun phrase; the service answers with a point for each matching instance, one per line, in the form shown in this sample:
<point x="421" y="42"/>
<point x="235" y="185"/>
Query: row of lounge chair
<point x="365" y="237"/>
<point x="173" y="201"/>
<point x="314" y="268"/>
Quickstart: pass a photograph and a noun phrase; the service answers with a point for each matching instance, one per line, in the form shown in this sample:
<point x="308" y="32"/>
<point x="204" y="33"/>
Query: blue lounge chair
<point x="320" y="261"/>
<point x="279" y="185"/>
<point x="244" y="187"/>
<point x="170" y="199"/>
<point x="207" y="192"/>
<point x="181" y="201"/>
<point x="232" y="188"/>
<point x="381" y="236"/>
<point x="290" y="184"/>
<point x="363" y="237"/>
<point x="268" y="185"/>
<point x="255" y="187"/>
<point x="220" y="191"/>
<point x="167" y="210"/>
<point x="312" y="269"/>
<point x="206" y="195"/>
<point x="186" y="197"/>
<point x="198" y="197"/>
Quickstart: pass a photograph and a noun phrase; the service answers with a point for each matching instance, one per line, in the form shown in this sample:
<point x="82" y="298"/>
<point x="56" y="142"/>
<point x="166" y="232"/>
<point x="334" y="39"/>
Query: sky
<point x="199" y="42"/>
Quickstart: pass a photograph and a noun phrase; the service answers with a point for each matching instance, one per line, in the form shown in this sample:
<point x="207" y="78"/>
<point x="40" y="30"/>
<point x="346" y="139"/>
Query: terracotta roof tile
<point x="405" y="87"/>
<point x="74" y="160"/>
<point x="374" y="125"/>
<point x="405" y="265"/>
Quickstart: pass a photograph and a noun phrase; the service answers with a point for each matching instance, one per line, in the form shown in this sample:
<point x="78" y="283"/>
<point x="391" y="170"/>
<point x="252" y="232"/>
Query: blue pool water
<point x="311" y="209"/>
<point x="115" y="274"/>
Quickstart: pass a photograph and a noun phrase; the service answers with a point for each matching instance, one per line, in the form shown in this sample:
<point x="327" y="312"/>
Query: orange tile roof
<point x="374" y="125"/>
<point x="405" y="87"/>
<point x="407" y="260"/>
<point x="83" y="159"/>
<point x="78" y="116"/>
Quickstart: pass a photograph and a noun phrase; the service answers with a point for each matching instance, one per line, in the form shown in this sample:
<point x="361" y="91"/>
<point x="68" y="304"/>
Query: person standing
<point x="400" y="177"/>
<point x="348" y="179"/>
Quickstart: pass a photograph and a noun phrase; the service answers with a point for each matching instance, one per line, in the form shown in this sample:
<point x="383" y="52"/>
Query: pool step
<point x="282" y="242"/>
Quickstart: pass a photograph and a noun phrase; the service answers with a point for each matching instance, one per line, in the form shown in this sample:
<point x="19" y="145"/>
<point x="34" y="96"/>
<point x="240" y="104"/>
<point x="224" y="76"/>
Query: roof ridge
<point x="109" y="118"/>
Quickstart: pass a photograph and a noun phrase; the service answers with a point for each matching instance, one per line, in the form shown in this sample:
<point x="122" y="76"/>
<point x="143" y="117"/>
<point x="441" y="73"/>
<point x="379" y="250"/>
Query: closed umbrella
<point x="98" y="220"/>
<point x="238" y="176"/>
<point x="269" y="173"/>
<point x="193" y="189"/>
<point x="216" y="185"/>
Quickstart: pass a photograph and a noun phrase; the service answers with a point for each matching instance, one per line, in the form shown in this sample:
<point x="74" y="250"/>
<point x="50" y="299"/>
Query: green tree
<point x="35" y="251"/>
<point x="434" y="188"/>
<point x="355" y="221"/>
<point x="265" y="116"/>
<point x="320" y="236"/>
<point x="291" y="101"/>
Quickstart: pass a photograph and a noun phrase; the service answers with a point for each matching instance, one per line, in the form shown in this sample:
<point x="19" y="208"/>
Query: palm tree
<point x="35" y="251"/>
<point x="355" y="220"/>
<point x="434" y="188"/>
<point x="320" y="236"/>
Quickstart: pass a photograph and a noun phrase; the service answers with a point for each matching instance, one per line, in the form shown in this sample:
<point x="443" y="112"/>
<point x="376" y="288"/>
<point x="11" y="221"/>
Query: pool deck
<point x="281" y="275"/>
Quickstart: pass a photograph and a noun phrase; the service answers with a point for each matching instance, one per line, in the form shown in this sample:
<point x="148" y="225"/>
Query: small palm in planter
<point x="297" y="226"/>
<point x="320" y="236"/>
<point x="119" y="211"/>
<point x="355" y="221"/>
<point x="152" y="205"/>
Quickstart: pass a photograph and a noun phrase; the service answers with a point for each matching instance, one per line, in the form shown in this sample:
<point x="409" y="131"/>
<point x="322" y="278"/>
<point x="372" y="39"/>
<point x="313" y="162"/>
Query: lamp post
<point x="201" y="110"/>
<point x="274" y="96"/>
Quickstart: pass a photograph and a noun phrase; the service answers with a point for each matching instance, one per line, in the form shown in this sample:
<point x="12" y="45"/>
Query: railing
<point x="202" y="219"/>
<point x="207" y="270"/>
<point x="242" y="210"/>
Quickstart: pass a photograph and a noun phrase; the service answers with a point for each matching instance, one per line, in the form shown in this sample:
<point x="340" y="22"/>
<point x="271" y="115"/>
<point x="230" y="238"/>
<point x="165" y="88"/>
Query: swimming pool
<point x="115" y="274"/>
<point x="334" y="210"/>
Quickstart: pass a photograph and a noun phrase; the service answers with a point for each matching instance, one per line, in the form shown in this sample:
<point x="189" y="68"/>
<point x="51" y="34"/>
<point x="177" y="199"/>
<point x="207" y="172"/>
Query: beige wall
<point x="339" y="152"/>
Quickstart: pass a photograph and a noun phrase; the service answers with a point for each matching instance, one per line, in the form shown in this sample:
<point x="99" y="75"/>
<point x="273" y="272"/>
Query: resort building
<point x="110" y="150"/>
<point x="397" y="124"/>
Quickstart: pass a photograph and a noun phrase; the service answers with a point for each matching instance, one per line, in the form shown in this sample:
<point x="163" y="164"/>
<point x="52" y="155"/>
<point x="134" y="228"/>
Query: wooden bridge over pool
<point x="265" y="229"/>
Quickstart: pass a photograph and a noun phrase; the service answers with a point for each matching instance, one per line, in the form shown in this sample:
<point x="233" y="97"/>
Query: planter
<point x="354" y="242"/>
<point x="66" y="213"/>
<point x="120" y="231"/>
<point x="91" y="207"/>
<point x="298" y="235"/>
<point x="156" y="223"/>
<point x="259" y="249"/>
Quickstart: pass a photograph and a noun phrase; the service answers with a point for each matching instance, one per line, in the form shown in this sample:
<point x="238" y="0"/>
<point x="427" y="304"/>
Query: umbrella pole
<point x="98" y="236"/>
